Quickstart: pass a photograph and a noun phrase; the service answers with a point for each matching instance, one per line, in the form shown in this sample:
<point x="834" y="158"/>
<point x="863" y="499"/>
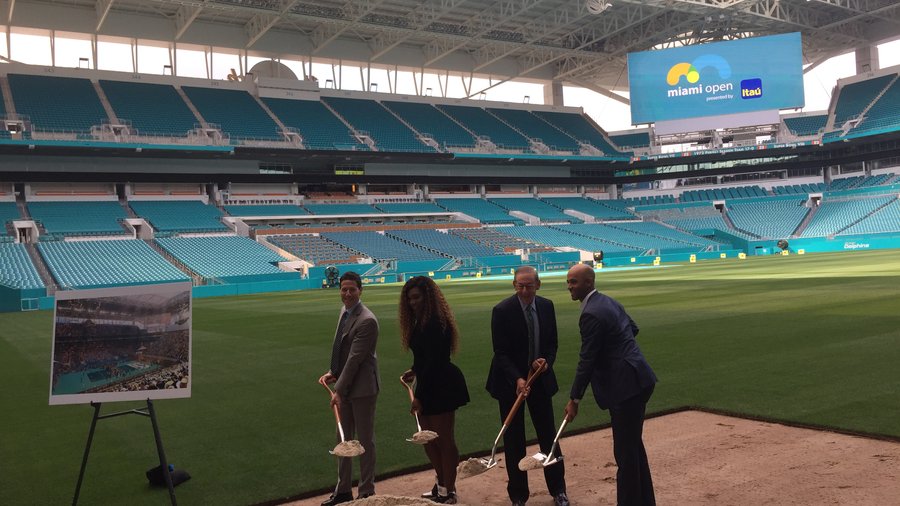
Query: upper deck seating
<point x="428" y="120"/>
<point x="236" y="113"/>
<point x="383" y="127"/>
<point x="855" y="97"/>
<point x="57" y="104"/>
<point x="806" y="125"/>
<point x="478" y="121"/>
<point x="631" y="140"/>
<point x="578" y="127"/>
<point x="318" y="126"/>
<point x="535" y="127"/>
<point x="152" y="109"/>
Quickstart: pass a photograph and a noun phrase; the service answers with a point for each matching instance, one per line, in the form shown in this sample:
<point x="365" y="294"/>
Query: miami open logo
<point x="712" y="67"/>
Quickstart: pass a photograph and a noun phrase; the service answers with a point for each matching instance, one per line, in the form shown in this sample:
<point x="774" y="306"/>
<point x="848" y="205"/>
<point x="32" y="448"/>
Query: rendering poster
<point x="121" y="344"/>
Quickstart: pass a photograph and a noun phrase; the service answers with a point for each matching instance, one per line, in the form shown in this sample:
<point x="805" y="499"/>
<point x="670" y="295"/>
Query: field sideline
<point x="811" y="339"/>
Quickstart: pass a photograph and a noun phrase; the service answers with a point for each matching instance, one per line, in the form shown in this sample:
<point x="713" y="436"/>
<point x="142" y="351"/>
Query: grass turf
<point x="810" y="339"/>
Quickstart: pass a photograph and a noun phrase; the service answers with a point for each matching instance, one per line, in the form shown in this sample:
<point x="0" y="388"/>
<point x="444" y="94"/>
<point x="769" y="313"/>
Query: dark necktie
<point x="336" y="347"/>
<point x="529" y="322"/>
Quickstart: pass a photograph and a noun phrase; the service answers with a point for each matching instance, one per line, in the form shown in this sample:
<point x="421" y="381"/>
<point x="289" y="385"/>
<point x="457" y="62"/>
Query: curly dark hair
<point x="435" y="307"/>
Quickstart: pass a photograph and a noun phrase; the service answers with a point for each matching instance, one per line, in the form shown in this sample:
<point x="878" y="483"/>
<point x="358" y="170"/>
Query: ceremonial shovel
<point x="539" y="460"/>
<point x="474" y="466"/>
<point x="345" y="448"/>
<point x="422" y="436"/>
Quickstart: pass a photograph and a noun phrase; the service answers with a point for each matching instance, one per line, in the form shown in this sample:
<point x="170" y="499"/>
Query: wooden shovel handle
<point x="412" y="396"/>
<point x="337" y="412"/>
<point x="532" y="375"/>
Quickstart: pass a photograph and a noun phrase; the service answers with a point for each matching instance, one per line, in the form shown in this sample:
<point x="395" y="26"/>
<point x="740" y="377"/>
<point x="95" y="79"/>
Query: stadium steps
<point x="128" y="210"/>
<point x="369" y="141"/>
<point x="192" y="107"/>
<point x="731" y="225"/>
<point x="272" y="115"/>
<point x="805" y="222"/>
<point x="196" y="278"/>
<point x="879" y="208"/>
<point x="419" y="136"/>
<point x="42" y="269"/>
<point x="7" y="97"/>
<point x="104" y="101"/>
<point x="862" y="114"/>
<point x="591" y="237"/>
<point x="417" y="245"/>
<point x="530" y="140"/>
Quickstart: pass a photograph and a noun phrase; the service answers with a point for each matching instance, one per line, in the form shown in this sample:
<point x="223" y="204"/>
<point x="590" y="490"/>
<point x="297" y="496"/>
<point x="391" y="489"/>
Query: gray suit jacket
<point x="358" y="371"/>
<point x="610" y="360"/>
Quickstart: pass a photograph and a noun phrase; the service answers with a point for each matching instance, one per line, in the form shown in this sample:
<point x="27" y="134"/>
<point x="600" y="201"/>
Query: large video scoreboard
<point x="720" y="78"/>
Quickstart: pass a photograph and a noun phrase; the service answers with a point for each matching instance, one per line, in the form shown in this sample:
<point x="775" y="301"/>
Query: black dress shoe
<point x="561" y="499"/>
<point x="363" y="496"/>
<point x="518" y="503"/>
<point x="338" y="499"/>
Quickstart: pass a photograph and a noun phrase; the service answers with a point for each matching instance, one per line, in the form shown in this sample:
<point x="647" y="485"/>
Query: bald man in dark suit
<point x="621" y="379"/>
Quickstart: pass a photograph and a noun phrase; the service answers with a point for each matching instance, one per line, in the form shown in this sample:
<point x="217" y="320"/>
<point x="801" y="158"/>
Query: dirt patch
<point x="703" y="459"/>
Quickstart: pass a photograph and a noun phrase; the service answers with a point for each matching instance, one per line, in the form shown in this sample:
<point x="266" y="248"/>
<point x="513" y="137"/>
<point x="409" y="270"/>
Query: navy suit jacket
<point x="509" y="333"/>
<point x="610" y="360"/>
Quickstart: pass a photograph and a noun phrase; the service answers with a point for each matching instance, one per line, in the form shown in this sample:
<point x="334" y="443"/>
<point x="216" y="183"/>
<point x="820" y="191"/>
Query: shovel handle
<point x="412" y="396"/>
<point x="532" y="375"/>
<point x="337" y="411"/>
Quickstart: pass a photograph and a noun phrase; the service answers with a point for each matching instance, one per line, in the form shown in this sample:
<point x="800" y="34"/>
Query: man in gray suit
<point x="620" y="378"/>
<point x="354" y="372"/>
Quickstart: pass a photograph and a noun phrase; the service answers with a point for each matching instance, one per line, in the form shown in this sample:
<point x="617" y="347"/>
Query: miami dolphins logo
<point x="691" y="71"/>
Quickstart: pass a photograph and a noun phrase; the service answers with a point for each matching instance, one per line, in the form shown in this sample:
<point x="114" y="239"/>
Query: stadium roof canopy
<point x="581" y="42"/>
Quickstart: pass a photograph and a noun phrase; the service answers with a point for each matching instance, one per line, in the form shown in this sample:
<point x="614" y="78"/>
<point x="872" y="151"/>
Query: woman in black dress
<point x="427" y="327"/>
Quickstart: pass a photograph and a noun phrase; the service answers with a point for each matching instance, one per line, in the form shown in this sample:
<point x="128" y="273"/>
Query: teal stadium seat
<point x="179" y="215"/>
<point x="16" y="269"/>
<point x="580" y="128"/>
<point x="386" y="130"/>
<point x="534" y="127"/>
<point x="57" y="104"/>
<point x="228" y="258"/>
<point x="317" y="125"/>
<point x="480" y="209"/>
<point x="79" y="218"/>
<point x="427" y="119"/>
<point x="152" y="109"/>
<point x="478" y="121"/>
<point x="97" y="264"/>
<point x="235" y="111"/>
<point x="631" y="140"/>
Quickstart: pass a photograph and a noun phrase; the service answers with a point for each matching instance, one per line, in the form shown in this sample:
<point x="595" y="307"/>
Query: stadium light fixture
<point x="526" y="99"/>
<point x="597" y="6"/>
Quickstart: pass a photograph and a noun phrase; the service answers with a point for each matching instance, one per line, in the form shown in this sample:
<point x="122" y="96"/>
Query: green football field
<point x="811" y="339"/>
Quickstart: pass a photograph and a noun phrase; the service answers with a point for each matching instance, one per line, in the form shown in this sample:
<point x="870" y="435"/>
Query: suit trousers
<point x="634" y="484"/>
<point x="540" y="407"/>
<point x="358" y="421"/>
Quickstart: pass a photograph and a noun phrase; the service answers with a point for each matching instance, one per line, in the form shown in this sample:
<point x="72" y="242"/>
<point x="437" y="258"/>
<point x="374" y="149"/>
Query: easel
<point x="163" y="464"/>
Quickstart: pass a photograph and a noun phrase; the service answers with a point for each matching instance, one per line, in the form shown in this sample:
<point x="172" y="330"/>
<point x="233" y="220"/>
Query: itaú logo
<point x="712" y="66"/>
